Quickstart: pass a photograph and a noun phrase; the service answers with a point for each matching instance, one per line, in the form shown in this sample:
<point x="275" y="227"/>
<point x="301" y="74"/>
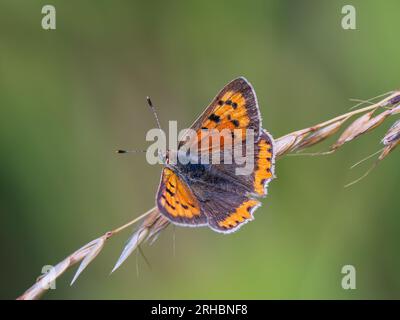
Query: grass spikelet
<point x="393" y="134"/>
<point x="95" y="248"/>
<point x="353" y="131"/>
<point x="320" y="135"/>
<point x="391" y="140"/>
<point x="284" y="144"/>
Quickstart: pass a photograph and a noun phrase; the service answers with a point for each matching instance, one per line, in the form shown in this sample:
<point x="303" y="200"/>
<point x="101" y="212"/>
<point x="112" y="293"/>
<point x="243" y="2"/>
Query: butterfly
<point x="196" y="194"/>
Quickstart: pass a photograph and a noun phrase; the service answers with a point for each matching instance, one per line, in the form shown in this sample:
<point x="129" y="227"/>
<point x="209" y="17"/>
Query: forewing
<point x="234" y="107"/>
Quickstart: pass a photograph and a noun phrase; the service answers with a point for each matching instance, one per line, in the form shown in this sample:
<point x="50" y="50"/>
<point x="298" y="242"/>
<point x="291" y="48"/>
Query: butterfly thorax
<point x="205" y="179"/>
<point x="187" y="165"/>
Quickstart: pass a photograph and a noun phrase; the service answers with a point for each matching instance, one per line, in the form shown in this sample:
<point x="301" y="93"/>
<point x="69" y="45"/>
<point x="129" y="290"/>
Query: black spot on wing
<point x="214" y="117"/>
<point x="167" y="203"/>
<point x="235" y="123"/>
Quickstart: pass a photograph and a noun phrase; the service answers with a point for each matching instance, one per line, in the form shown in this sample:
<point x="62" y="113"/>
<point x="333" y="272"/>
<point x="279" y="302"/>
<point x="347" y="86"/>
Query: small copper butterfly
<point x="212" y="194"/>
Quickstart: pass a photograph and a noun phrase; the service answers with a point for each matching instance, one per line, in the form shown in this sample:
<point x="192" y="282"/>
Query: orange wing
<point x="264" y="159"/>
<point x="177" y="202"/>
<point x="234" y="107"/>
<point x="235" y="218"/>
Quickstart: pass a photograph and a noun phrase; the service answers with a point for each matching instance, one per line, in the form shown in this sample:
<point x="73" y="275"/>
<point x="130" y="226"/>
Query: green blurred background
<point x="70" y="97"/>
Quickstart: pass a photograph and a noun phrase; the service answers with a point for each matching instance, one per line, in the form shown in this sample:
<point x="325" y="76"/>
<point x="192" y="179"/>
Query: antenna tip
<point x="120" y="151"/>
<point x="149" y="101"/>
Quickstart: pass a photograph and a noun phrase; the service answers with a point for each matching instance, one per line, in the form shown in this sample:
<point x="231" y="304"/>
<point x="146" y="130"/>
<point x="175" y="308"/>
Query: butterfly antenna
<point x="158" y="125"/>
<point x="153" y="109"/>
<point x="130" y="151"/>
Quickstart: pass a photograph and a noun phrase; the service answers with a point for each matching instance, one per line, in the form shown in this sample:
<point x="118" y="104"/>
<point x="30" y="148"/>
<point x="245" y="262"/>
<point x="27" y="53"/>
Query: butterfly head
<point x="168" y="158"/>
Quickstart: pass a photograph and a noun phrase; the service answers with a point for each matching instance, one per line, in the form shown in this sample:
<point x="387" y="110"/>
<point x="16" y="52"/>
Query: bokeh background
<point x="70" y="97"/>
